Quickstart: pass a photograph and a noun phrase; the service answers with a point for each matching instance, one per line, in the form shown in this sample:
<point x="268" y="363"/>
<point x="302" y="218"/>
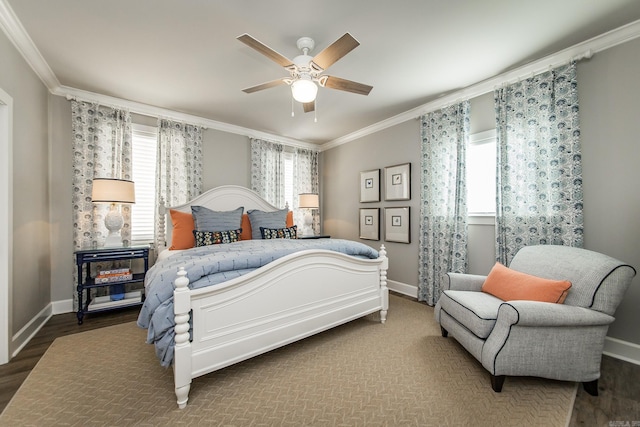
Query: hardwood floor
<point x="617" y="405"/>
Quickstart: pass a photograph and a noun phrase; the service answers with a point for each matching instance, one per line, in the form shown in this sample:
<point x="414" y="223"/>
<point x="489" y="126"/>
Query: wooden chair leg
<point x="497" y="381"/>
<point x="591" y="387"/>
<point x="444" y="332"/>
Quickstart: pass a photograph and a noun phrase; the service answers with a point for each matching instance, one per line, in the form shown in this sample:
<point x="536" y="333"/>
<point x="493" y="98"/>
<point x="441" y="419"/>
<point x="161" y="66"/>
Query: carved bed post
<point x="161" y="239"/>
<point x="384" y="291"/>
<point x="182" y="356"/>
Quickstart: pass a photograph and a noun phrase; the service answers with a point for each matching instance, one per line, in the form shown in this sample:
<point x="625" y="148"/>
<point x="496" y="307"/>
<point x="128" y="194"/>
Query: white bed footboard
<point x="289" y="299"/>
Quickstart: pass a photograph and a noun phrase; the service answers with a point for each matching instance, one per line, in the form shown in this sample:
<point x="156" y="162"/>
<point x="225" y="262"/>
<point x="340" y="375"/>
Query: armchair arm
<point x="465" y="282"/>
<point x="535" y="313"/>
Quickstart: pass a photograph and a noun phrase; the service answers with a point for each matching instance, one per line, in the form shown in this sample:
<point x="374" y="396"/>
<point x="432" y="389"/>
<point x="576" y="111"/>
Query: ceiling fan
<point x="306" y="71"/>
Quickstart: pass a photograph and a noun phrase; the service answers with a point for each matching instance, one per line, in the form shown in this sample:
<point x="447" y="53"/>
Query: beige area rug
<point x="359" y="374"/>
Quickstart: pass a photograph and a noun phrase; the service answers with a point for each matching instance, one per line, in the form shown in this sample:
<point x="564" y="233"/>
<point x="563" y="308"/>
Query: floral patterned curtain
<point x="267" y="171"/>
<point x="101" y="149"/>
<point x="443" y="211"/>
<point x="539" y="171"/>
<point x="305" y="180"/>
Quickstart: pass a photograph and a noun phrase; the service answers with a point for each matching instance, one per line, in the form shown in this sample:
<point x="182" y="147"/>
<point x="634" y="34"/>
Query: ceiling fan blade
<point x="265" y="50"/>
<point x="335" y="51"/>
<point x="346" y="85"/>
<point x="309" y="106"/>
<point x="263" y="86"/>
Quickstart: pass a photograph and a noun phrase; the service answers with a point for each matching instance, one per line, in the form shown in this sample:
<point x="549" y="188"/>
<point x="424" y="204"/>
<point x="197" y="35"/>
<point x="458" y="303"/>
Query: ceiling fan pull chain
<point x="292" y="113"/>
<point x="315" y="112"/>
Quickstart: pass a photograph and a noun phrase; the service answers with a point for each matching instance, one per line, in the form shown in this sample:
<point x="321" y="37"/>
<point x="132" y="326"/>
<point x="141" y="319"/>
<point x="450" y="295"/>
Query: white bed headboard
<point x="223" y="198"/>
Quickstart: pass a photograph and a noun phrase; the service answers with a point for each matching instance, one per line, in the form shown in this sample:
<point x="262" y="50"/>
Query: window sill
<point x="481" y="219"/>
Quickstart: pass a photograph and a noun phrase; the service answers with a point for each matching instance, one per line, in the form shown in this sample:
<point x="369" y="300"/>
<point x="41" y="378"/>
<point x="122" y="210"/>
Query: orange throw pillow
<point x="182" y="233"/>
<point x="510" y="285"/>
<point x="289" y="219"/>
<point x="246" y="228"/>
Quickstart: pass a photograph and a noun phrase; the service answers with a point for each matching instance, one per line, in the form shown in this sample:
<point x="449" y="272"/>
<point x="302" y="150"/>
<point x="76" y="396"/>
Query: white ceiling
<point x="184" y="56"/>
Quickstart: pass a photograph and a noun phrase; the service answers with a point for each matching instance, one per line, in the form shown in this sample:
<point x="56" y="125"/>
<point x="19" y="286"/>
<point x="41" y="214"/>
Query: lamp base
<point x="113" y="240"/>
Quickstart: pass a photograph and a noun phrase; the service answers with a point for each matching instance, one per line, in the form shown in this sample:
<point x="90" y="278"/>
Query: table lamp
<point x="115" y="192"/>
<point x="308" y="201"/>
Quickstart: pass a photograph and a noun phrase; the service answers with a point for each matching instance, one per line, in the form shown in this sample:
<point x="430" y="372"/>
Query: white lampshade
<point x="304" y="90"/>
<point x="111" y="190"/>
<point x="308" y="200"/>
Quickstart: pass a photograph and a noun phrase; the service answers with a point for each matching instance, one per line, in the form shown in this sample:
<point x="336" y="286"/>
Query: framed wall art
<point x="370" y="223"/>
<point x="396" y="225"/>
<point x="397" y="181"/>
<point x="370" y="186"/>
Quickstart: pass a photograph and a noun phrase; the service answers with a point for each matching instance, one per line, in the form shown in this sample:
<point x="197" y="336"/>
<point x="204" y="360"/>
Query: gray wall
<point x="609" y="92"/>
<point x="31" y="267"/>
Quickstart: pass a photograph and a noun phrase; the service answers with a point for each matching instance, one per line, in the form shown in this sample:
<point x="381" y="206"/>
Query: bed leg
<point x="182" y="353"/>
<point x="182" y="393"/>
<point x="384" y="291"/>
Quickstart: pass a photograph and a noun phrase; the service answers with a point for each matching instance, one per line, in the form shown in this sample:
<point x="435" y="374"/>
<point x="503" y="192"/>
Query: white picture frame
<point x="370" y="186"/>
<point x="397" y="224"/>
<point x="370" y="223"/>
<point x="397" y="180"/>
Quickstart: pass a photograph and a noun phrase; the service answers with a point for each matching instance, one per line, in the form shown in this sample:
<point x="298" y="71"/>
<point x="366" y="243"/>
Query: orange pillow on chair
<point x="182" y="233"/>
<point x="510" y="285"/>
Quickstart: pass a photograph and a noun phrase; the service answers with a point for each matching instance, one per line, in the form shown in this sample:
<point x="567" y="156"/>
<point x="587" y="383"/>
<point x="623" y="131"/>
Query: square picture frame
<point x="397" y="224"/>
<point x="370" y="223"/>
<point x="397" y="181"/>
<point x="370" y="186"/>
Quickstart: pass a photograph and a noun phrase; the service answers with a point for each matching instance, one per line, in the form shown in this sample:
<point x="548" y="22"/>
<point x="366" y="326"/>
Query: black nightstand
<point x="86" y="257"/>
<point x="320" y="236"/>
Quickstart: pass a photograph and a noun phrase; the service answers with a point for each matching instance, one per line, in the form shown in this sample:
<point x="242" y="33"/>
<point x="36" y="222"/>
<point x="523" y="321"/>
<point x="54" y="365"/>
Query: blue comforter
<point x="210" y="265"/>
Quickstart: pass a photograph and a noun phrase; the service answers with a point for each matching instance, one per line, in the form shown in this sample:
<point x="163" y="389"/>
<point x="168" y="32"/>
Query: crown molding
<point x="14" y="30"/>
<point x="153" y="111"/>
<point x="579" y="51"/>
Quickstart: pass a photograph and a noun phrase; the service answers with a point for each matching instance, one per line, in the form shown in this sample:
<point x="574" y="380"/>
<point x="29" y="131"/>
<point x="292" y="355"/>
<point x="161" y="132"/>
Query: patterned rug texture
<point x="364" y="373"/>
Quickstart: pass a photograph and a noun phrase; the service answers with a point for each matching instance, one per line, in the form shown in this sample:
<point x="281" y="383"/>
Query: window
<point x="288" y="179"/>
<point x="481" y="174"/>
<point x="144" y="148"/>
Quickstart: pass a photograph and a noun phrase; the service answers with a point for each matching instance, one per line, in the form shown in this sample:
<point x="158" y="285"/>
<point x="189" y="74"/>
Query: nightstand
<point x="85" y="257"/>
<point x="319" y="236"/>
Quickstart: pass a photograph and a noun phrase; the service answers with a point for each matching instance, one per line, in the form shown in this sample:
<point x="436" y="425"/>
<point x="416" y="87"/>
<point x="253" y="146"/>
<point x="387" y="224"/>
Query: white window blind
<point x="481" y="174"/>
<point x="145" y="141"/>
<point x="288" y="179"/>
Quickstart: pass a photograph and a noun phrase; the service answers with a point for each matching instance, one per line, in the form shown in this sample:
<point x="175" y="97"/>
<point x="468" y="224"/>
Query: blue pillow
<point x="279" y="233"/>
<point x="275" y="219"/>
<point x="206" y="238"/>
<point x="205" y="219"/>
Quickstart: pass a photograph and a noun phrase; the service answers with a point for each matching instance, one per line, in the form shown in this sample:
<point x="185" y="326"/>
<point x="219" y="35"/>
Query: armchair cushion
<point x="475" y="310"/>
<point x="510" y="285"/>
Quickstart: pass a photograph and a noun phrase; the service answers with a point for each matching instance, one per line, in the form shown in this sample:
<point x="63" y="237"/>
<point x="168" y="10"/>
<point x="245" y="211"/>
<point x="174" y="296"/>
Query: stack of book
<point x="114" y="276"/>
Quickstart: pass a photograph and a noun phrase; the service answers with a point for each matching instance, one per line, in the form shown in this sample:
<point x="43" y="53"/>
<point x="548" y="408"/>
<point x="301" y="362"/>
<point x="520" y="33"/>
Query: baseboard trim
<point x="62" y="307"/>
<point x="403" y="288"/>
<point x="623" y="350"/>
<point x="24" y="335"/>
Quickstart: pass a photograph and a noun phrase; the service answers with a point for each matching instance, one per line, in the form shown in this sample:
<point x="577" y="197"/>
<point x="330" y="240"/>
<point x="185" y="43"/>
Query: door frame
<point x="6" y="223"/>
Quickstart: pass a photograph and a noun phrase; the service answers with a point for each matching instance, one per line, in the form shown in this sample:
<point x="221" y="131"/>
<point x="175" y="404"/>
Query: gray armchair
<point x="539" y="339"/>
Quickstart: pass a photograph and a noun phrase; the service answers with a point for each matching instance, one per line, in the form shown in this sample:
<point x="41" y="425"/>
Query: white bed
<point x="288" y="299"/>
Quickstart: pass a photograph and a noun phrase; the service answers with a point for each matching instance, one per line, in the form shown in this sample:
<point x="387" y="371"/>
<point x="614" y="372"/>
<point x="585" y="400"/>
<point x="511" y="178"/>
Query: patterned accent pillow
<point x="279" y="233"/>
<point x="206" y="238"/>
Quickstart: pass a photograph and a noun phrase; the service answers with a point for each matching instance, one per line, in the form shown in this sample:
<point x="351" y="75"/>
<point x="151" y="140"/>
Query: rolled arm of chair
<point x="535" y="313"/>
<point x="465" y="282"/>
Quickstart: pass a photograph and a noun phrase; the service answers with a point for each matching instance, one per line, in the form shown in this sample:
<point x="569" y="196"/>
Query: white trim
<point x="623" y="350"/>
<point x="6" y="224"/>
<point x="481" y="219"/>
<point x="62" y="307"/>
<point x="579" y="51"/>
<point x="24" y="335"/>
<point x="15" y="32"/>
<point x="403" y="288"/>
<point x="483" y="137"/>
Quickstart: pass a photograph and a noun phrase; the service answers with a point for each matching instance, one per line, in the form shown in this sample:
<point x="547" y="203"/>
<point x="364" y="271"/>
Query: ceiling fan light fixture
<point x="304" y="90"/>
